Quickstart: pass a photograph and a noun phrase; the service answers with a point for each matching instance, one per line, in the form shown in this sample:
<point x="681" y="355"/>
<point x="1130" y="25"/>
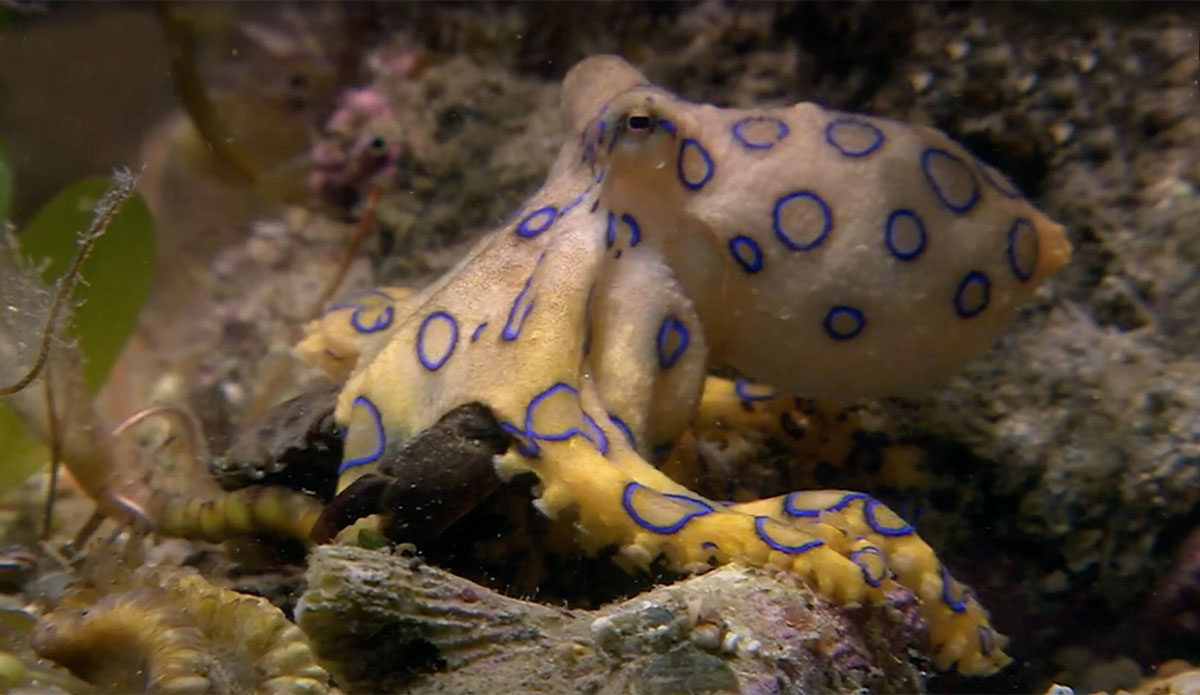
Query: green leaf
<point x="21" y="454"/>
<point x="115" y="277"/>
<point x="6" y="184"/>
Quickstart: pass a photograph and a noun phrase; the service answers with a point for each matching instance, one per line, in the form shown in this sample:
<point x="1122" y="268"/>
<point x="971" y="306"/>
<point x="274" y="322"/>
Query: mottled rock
<point x="385" y="622"/>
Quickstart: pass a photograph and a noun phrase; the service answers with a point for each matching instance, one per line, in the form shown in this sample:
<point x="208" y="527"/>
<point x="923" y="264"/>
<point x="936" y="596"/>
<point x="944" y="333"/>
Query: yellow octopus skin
<point x="833" y="256"/>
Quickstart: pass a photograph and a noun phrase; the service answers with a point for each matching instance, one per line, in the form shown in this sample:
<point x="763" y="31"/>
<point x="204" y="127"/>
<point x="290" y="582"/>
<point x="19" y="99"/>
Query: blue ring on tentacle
<point x="709" y="545"/>
<point x="865" y="567"/>
<point x="889" y="235"/>
<point x="868" y="512"/>
<point x="956" y="605"/>
<point x="380" y="437"/>
<point x="381" y="322"/>
<point x="668" y="126"/>
<point x="971" y="278"/>
<point x="1023" y="274"/>
<point x="525" y="446"/>
<point x="741" y="243"/>
<point x="434" y="365"/>
<point x="926" y="164"/>
<point x="528" y="230"/>
<point x="781" y="132"/>
<point x="627" y="503"/>
<point x="998" y="182"/>
<point x="760" y="524"/>
<point x="571" y="205"/>
<point x="635" y="231"/>
<point x="739" y="387"/>
<point x="620" y="424"/>
<point x="860" y="322"/>
<point x="790" y="508"/>
<point x="597" y="436"/>
<point x="831" y="136"/>
<point x="671" y="324"/>
<point x="600" y="439"/>
<point x="610" y="231"/>
<point x="478" y="331"/>
<point x="708" y="164"/>
<point x="511" y="331"/>
<point x="987" y="640"/>
<point x="777" y="221"/>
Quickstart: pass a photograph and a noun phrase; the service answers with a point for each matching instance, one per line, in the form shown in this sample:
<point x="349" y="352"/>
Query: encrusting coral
<point x="162" y="630"/>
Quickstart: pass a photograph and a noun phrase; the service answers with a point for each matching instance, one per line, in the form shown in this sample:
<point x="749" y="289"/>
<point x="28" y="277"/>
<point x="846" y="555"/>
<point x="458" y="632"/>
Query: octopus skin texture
<point x="829" y="255"/>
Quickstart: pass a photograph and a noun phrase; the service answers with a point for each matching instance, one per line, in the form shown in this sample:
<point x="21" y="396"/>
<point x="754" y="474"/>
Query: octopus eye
<point x="640" y="122"/>
<point x="377" y="146"/>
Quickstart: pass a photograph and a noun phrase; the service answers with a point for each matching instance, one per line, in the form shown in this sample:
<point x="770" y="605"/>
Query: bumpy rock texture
<point x="386" y="623"/>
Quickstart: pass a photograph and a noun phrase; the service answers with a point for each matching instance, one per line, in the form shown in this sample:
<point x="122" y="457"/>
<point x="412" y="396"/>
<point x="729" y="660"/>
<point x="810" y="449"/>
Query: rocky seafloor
<point x="1073" y="446"/>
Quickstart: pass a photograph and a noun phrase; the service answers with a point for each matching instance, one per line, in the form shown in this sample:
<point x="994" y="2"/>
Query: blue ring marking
<point x="380" y="437"/>
<point x="926" y="164"/>
<point x="511" y="331"/>
<point x="777" y="220"/>
<point x="670" y="325"/>
<point x="478" y="331"/>
<point x="620" y="424"/>
<point x="708" y="164"/>
<point x="635" y="230"/>
<point x="627" y="502"/>
<point x="781" y="132"/>
<point x="668" y="126"/>
<point x="760" y="524"/>
<point x="434" y="365"/>
<point x="840" y="310"/>
<point x="865" y="566"/>
<point x="998" y="182"/>
<point x="739" y="245"/>
<point x="1014" y="234"/>
<point x="571" y="205"/>
<point x="528" y="230"/>
<point x="868" y="511"/>
<point x="597" y="436"/>
<point x="739" y="387"/>
<point x="831" y="136"/>
<point x="525" y="446"/>
<point x="971" y="278"/>
<point x="790" y="508"/>
<point x="610" y="231"/>
<point x="709" y="545"/>
<point x="987" y="640"/>
<point x="889" y="235"/>
<point x="381" y="322"/>
<point x="956" y="605"/>
<point x="589" y="152"/>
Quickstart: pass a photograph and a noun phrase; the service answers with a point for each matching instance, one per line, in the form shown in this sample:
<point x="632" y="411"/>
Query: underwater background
<point x="288" y="154"/>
